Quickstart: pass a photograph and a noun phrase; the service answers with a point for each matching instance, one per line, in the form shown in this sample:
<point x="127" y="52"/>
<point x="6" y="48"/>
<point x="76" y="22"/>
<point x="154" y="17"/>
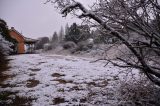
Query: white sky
<point x="34" y="18"/>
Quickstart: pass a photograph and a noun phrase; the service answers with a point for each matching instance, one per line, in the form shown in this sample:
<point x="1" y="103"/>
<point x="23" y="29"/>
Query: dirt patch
<point x="32" y="83"/>
<point x="14" y="99"/>
<point x="62" y="81"/>
<point x="34" y="69"/>
<point x="3" y="77"/>
<point x="32" y="74"/>
<point x="92" y="84"/>
<point x="83" y="100"/>
<point x="41" y="63"/>
<point x="57" y="75"/>
<point x="58" y="100"/>
<point x="101" y="83"/>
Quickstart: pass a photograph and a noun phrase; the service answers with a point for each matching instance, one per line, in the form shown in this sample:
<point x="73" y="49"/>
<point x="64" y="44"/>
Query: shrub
<point x="69" y="45"/>
<point x="41" y="42"/>
<point x="85" y="45"/>
<point x="4" y="50"/>
<point x="47" y="46"/>
<point x="139" y="93"/>
<point x="5" y="46"/>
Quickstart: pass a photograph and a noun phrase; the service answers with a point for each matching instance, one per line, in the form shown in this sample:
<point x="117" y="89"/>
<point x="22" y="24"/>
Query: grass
<point x="3" y="67"/>
<point x="7" y="100"/>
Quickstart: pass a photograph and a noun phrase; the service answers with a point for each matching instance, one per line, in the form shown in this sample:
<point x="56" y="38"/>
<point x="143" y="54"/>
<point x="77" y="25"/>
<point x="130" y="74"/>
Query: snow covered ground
<point x="64" y="80"/>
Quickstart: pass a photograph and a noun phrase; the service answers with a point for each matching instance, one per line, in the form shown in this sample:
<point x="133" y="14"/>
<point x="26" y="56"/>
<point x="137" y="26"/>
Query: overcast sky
<point x="33" y="18"/>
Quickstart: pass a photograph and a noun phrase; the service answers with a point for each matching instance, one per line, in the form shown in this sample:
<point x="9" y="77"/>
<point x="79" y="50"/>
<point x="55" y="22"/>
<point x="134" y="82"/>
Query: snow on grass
<point x="63" y="80"/>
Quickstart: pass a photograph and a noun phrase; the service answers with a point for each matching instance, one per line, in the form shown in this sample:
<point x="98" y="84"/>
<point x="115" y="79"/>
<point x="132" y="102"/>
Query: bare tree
<point x="137" y="27"/>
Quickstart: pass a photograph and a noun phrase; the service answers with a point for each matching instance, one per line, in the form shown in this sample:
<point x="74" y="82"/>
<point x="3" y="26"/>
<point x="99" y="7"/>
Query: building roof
<point x="26" y="40"/>
<point x="29" y="40"/>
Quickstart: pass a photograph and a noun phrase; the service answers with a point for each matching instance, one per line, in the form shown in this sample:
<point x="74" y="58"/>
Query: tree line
<point x="135" y="23"/>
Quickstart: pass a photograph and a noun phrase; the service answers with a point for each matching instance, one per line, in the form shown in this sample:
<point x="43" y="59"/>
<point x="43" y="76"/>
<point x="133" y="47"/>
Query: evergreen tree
<point x="61" y="34"/>
<point x="4" y="31"/>
<point x="66" y="29"/>
<point x="54" y="38"/>
<point x="77" y="33"/>
<point x="73" y="33"/>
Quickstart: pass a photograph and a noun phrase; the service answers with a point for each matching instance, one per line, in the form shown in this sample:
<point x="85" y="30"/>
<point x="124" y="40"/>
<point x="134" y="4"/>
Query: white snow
<point x="79" y="78"/>
<point x="5" y="45"/>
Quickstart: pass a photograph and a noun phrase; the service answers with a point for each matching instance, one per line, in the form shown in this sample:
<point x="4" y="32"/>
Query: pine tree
<point x="66" y="29"/>
<point x="77" y="33"/>
<point x="54" y="38"/>
<point x="73" y="33"/>
<point x="61" y="35"/>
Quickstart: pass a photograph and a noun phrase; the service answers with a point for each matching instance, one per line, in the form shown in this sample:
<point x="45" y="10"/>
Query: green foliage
<point x="5" y="32"/>
<point x="54" y="38"/>
<point x="66" y="29"/>
<point x="77" y="33"/>
<point x="61" y="35"/>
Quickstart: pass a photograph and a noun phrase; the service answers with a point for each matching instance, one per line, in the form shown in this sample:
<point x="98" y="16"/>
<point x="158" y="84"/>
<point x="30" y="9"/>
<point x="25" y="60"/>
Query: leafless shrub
<point x="141" y="93"/>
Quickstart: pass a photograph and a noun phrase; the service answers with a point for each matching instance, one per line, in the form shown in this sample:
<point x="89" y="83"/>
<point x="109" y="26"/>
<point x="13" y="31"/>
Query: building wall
<point x="19" y="39"/>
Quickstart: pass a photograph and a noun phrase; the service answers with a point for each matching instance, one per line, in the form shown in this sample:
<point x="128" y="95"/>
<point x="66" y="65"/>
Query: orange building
<point x="24" y="45"/>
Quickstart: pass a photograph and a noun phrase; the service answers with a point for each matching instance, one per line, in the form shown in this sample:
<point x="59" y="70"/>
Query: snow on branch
<point x="86" y="13"/>
<point x="70" y="7"/>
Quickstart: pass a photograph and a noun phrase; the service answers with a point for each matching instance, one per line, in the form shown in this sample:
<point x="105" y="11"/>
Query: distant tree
<point x="5" y="33"/>
<point x="41" y="42"/>
<point x="85" y="32"/>
<point x="61" y="35"/>
<point x="54" y="38"/>
<point x="66" y="29"/>
<point x="98" y="37"/>
<point x="77" y="33"/>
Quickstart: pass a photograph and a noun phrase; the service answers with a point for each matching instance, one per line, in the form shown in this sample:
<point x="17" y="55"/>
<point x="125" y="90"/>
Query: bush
<point x="41" y="42"/>
<point x="141" y="93"/>
<point x="47" y="46"/>
<point x="84" y="45"/>
<point x="69" y="45"/>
